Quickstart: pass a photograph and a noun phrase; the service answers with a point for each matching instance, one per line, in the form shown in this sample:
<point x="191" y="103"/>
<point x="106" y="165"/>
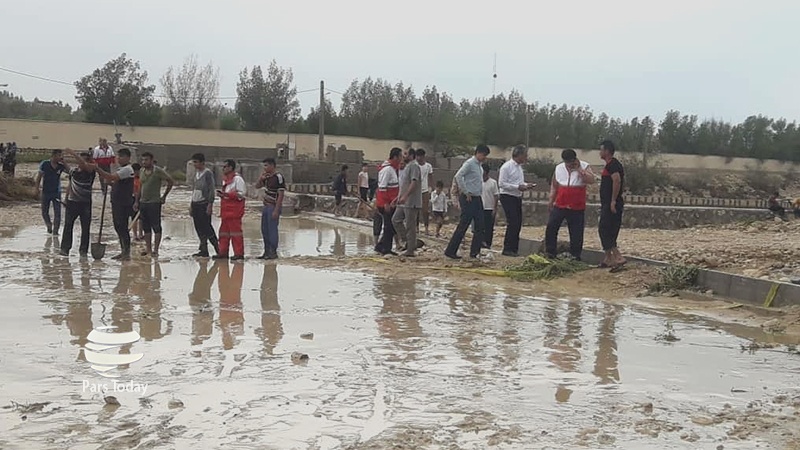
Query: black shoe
<point x="237" y="258"/>
<point x="510" y="253"/>
<point x="452" y="256"/>
<point x="201" y="255"/>
<point x="63" y="253"/>
<point x="264" y="256"/>
<point x="271" y="256"/>
<point x="49" y="230"/>
<point x="219" y="257"/>
<point x="122" y="257"/>
<point x="84" y="255"/>
<point x="485" y="245"/>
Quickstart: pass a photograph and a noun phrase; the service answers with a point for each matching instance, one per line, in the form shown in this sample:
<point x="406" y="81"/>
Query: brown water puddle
<point x="393" y="363"/>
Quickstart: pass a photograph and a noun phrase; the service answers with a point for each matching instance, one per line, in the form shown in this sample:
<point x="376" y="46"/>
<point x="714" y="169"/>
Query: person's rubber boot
<point x="214" y="243"/>
<point x="203" y="253"/>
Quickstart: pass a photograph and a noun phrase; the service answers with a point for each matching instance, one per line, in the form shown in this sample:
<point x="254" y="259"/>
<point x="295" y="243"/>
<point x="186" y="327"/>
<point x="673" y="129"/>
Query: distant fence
<point x="654" y="200"/>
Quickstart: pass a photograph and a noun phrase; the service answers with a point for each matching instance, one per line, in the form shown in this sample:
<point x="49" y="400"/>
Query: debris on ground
<point x="675" y="278"/>
<point x="299" y="358"/>
<point x="308" y="336"/>
<point x="16" y="189"/>
<point x="537" y="267"/>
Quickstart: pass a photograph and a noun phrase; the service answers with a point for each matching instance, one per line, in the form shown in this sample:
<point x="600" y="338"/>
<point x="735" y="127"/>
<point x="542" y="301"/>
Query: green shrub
<point x="179" y="176"/>
<point x="541" y="167"/>
<point x="641" y="179"/>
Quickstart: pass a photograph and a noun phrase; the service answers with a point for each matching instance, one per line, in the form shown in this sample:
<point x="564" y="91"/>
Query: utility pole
<point x="322" y="120"/>
<point x="527" y="127"/>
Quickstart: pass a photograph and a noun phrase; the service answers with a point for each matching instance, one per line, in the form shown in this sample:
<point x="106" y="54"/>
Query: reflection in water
<point x="200" y="302"/>
<point x="58" y="277"/>
<point x="472" y="308"/>
<point x="399" y="316"/>
<point x="271" y="330"/>
<point x="122" y="309"/>
<point x="606" y="365"/>
<point x="231" y="316"/>
<point x="147" y="286"/>
<point x="337" y="249"/>
<point x="509" y="350"/>
<point x="565" y="352"/>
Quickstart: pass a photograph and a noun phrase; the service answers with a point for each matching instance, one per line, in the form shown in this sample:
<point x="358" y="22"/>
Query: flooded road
<point x="410" y="361"/>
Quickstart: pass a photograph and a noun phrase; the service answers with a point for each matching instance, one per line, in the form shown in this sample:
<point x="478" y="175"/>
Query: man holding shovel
<point x="79" y="202"/>
<point x="121" y="200"/>
<point x="149" y="200"/>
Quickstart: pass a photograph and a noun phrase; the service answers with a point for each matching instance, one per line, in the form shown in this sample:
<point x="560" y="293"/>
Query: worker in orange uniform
<point x="231" y="212"/>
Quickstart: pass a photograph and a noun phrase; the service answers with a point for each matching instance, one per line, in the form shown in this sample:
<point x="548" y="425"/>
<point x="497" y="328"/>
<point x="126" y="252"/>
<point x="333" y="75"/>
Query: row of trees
<point x="120" y="92"/>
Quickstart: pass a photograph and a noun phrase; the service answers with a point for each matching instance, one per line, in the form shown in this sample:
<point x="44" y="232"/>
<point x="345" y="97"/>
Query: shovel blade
<point x="98" y="250"/>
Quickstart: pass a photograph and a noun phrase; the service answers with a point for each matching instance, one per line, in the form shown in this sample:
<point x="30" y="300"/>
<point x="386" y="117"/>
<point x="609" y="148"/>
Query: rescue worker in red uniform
<point x="568" y="202"/>
<point x="231" y="212"/>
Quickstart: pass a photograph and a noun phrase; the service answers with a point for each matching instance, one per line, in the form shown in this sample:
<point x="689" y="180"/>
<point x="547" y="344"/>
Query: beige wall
<point x="77" y="135"/>
<point x="672" y="160"/>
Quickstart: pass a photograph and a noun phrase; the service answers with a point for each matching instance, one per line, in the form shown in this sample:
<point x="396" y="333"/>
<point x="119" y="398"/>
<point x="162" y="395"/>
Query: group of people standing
<point x="126" y="200"/>
<point x="136" y="193"/>
<point x="400" y="201"/>
<point x="232" y="208"/>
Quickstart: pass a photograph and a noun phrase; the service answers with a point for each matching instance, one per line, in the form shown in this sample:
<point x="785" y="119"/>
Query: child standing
<point x="439" y="206"/>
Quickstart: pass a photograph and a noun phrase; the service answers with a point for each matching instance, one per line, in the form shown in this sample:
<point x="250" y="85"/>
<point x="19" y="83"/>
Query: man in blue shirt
<point x="469" y="180"/>
<point x="49" y="191"/>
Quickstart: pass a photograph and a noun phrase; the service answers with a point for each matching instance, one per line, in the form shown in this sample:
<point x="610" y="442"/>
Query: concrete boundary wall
<point x="653" y="200"/>
<point x="38" y="134"/>
<point x="748" y="290"/>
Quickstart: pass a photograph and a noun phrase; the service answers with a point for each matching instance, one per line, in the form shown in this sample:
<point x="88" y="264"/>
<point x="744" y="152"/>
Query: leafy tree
<point x="191" y="95"/>
<point x="267" y="104"/>
<point x="118" y="92"/>
<point x="14" y="107"/>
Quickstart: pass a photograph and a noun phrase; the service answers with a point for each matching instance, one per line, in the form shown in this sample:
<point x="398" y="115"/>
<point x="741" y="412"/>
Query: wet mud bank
<point x="738" y="287"/>
<point x="399" y="354"/>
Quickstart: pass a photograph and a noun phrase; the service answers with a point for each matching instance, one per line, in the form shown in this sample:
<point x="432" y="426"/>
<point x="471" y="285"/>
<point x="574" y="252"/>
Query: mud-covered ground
<point x="402" y="353"/>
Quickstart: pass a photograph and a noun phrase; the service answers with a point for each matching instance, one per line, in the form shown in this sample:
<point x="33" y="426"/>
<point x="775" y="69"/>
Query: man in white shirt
<point x="104" y="157"/>
<point x="512" y="185"/>
<point x="490" y="195"/>
<point x="426" y="170"/>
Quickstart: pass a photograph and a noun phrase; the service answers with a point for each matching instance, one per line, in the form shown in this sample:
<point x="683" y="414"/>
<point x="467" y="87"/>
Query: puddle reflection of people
<point x="606" y="363"/>
<point x="565" y="354"/>
<point x="200" y="302"/>
<point x="271" y="331"/>
<point x="78" y="314"/>
<point x="398" y="320"/>
<point x="231" y="316"/>
<point x="338" y="247"/>
<point x="471" y="329"/>
<point x="122" y="308"/>
<point x="147" y="286"/>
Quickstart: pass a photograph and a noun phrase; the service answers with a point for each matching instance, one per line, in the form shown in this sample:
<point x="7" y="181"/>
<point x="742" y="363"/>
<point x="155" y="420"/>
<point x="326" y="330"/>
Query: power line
<point x="36" y="76"/>
<point x="51" y="80"/>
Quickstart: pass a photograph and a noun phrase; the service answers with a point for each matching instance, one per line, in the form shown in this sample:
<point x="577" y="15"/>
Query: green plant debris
<point x="675" y="278"/>
<point x="668" y="335"/>
<point x="537" y="267"/>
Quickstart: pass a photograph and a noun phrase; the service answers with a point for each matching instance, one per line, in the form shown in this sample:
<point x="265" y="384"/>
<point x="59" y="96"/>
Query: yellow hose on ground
<point x="487" y="272"/>
<point x="773" y="291"/>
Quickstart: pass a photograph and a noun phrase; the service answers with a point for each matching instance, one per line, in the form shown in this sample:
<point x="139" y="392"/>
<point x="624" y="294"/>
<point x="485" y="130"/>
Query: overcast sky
<point x="715" y="58"/>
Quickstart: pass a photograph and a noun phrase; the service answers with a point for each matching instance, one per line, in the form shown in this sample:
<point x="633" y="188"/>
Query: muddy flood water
<point x="411" y="361"/>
